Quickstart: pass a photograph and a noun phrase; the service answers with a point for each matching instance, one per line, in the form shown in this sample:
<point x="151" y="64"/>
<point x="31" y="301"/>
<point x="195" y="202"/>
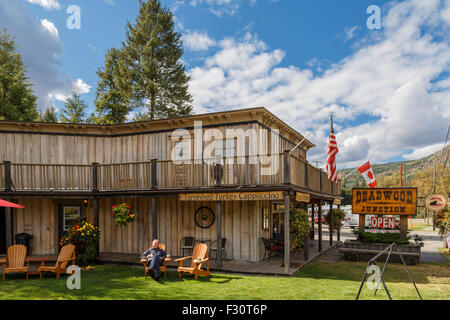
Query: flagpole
<point x="342" y="179"/>
<point x="309" y="134"/>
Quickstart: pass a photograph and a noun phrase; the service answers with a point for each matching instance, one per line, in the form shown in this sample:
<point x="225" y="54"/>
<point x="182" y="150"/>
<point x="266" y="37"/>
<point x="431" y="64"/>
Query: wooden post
<point x="403" y="226"/>
<point x="320" y="224"/>
<point x="96" y="209"/>
<point x="306" y="244"/>
<point x="9" y="226"/>
<point x="306" y="175"/>
<point x="154" y="218"/>
<point x="218" y="171"/>
<point x="153" y="173"/>
<point x="287" y="242"/>
<point x="219" y="234"/>
<point x="286" y="167"/>
<point x="7" y="174"/>
<point x="362" y="223"/>
<point x="339" y="229"/>
<point x="331" y="222"/>
<point x="94" y="177"/>
<point x="312" y="221"/>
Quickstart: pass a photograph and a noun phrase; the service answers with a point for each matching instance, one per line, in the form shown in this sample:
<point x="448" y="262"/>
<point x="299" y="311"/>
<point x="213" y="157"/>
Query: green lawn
<point x="339" y="280"/>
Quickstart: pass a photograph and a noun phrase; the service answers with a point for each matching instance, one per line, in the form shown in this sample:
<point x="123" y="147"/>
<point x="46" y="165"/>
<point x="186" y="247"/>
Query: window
<point x="71" y="217"/>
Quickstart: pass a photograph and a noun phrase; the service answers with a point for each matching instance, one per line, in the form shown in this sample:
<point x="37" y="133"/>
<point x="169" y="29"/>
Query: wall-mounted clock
<point x="204" y="217"/>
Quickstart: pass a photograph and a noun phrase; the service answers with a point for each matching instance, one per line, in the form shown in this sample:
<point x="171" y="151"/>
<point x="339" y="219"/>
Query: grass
<point x="316" y="281"/>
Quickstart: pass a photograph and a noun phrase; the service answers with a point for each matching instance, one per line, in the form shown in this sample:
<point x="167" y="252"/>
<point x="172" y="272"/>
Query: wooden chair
<point x="162" y="268"/>
<point x="271" y="247"/>
<point x="199" y="256"/>
<point x="67" y="254"/>
<point x="186" y="243"/>
<point x="15" y="261"/>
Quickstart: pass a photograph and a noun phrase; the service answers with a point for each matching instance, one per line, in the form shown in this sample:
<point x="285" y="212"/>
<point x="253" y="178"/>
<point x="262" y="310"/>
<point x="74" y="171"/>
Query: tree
<point x="17" y="101"/>
<point x="150" y="61"/>
<point x="50" y="115"/>
<point x="112" y="103"/>
<point x="74" y="109"/>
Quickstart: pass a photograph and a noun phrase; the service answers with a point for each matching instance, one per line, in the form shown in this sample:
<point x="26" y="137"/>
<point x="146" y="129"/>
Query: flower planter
<point x="358" y="251"/>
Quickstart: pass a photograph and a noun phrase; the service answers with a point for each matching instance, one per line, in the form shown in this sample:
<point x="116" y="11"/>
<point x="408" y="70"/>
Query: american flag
<point x="332" y="151"/>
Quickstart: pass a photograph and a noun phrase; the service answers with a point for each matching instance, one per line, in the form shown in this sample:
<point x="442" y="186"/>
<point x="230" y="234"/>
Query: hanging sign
<point x="436" y="202"/>
<point x="302" y="197"/>
<point x="234" y="196"/>
<point x="390" y="201"/>
<point x="382" y="222"/>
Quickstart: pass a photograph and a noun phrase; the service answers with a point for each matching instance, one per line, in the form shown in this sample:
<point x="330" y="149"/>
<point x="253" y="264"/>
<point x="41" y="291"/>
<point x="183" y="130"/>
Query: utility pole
<point x="434" y="191"/>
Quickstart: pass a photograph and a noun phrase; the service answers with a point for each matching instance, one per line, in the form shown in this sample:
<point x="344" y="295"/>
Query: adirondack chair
<point x="66" y="255"/>
<point x="162" y="268"/>
<point x="199" y="256"/>
<point x="15" y="261"/>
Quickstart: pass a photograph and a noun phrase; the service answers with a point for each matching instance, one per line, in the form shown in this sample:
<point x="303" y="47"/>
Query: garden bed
<point x="354" y="250"/>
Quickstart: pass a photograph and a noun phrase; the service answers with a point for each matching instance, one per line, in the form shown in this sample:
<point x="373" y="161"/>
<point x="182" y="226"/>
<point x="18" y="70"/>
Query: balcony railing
<point x="258" y="170"/>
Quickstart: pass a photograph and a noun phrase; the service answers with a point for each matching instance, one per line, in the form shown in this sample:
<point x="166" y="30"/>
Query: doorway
<point x="2" y="231"/>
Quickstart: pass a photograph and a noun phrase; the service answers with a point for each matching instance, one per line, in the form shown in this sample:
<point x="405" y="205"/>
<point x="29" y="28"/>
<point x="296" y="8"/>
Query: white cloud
<point x="198" y="41"/>
<point x="50" y="27"/>
<point x="393" y="88"/>
<point x="109" y="2"/>
<point x="419" y="153"/>
<point x="40" y="50"/>
<point x="221" y="7"/>
<point x="47" y="4"/>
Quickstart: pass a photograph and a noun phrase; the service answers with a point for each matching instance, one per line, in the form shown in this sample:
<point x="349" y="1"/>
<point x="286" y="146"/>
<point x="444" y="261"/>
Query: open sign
<point x="382" y="222"/>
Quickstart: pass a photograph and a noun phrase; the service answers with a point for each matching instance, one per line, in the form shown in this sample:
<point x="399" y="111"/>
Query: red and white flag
<point x="331" y="158"/>
<point x="366" y="171"/>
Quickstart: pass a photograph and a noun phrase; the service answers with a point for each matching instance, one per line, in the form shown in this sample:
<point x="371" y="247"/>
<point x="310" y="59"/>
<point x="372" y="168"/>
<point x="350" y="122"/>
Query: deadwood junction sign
<point x="387" y="201"/>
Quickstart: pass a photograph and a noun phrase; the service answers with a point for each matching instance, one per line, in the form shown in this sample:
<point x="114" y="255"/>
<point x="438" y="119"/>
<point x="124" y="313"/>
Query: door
<point x="2" y="231"/>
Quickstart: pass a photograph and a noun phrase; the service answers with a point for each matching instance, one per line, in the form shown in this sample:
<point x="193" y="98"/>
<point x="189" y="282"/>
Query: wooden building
<point x="63" y="172"/>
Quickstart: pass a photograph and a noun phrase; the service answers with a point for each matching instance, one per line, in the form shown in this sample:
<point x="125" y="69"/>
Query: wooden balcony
<point x="250" y="171"/>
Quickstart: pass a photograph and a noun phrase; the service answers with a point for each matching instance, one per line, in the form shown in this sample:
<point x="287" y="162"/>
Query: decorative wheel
<point x="204" y="217"/>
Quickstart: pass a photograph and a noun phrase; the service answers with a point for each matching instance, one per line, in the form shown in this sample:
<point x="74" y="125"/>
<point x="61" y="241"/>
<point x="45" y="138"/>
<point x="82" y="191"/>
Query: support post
<point x="7" y="175"/>
<point x="96" y="209"/>
<point x="218" y="172"/>
<point x="306" y="243"/>
<point x="312" y="221"/>
<point x="320" y="224"/>
<point x="287" y="242"/>
<point x="9" y="226"/>
<point x="153" y="179"/>
<point x="331" y="222"/>
<point x="339" y="230"/>
<point x="154" y="218"/>
<point x="403" y="226"/>
<point x="286" y="167"/>
<point x="219" y="234"/>
<point x="94" y="177"/>
<point x="362" y="223"/>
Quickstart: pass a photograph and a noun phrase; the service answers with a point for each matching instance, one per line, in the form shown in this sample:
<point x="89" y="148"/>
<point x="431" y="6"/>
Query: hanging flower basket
<point x="122" y="214"/>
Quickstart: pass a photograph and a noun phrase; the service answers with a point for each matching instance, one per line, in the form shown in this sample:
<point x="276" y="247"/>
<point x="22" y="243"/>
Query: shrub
<point x="85" y="238"/>
<point x="299" y="226"/>
<point x="442" y="221"/>
<point x="368" y="237"/>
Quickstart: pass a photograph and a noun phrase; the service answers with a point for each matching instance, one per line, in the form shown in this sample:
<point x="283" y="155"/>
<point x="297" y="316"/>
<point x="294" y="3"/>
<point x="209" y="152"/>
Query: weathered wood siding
<point x="241" y="225"/>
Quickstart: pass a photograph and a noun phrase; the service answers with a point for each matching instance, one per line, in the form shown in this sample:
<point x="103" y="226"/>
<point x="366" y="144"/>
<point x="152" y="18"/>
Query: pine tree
<point x="17" y="101"/>
<point x="50" y="115"/>
<point x="74" y="110"/>
<point x="112" y="103"/>
<point x="150" y="62"/>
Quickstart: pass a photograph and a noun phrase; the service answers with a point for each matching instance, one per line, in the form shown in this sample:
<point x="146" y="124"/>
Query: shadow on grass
<point x="395" y="272"/>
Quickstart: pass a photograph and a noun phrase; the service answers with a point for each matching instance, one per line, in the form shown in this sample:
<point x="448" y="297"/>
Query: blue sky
<point x="389" y="88"/>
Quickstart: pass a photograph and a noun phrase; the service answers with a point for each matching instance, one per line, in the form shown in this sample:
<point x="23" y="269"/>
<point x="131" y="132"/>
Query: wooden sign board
<point x="395" y="201"/>
<point x="233" y="196"/>
<point x="337" y="202"/>
<point x="302" y="197"/>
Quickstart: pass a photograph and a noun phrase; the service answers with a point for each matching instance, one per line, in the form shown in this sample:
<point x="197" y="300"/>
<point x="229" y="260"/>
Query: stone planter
<point x="358" y="251"/>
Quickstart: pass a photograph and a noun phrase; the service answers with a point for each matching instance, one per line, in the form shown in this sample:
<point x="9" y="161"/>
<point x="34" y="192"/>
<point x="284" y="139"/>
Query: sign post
<point x="385" y="201"/>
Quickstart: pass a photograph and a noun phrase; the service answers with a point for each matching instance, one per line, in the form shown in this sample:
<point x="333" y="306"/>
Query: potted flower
<point x="122" y="214"/>
<point x="85" y="237"/>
